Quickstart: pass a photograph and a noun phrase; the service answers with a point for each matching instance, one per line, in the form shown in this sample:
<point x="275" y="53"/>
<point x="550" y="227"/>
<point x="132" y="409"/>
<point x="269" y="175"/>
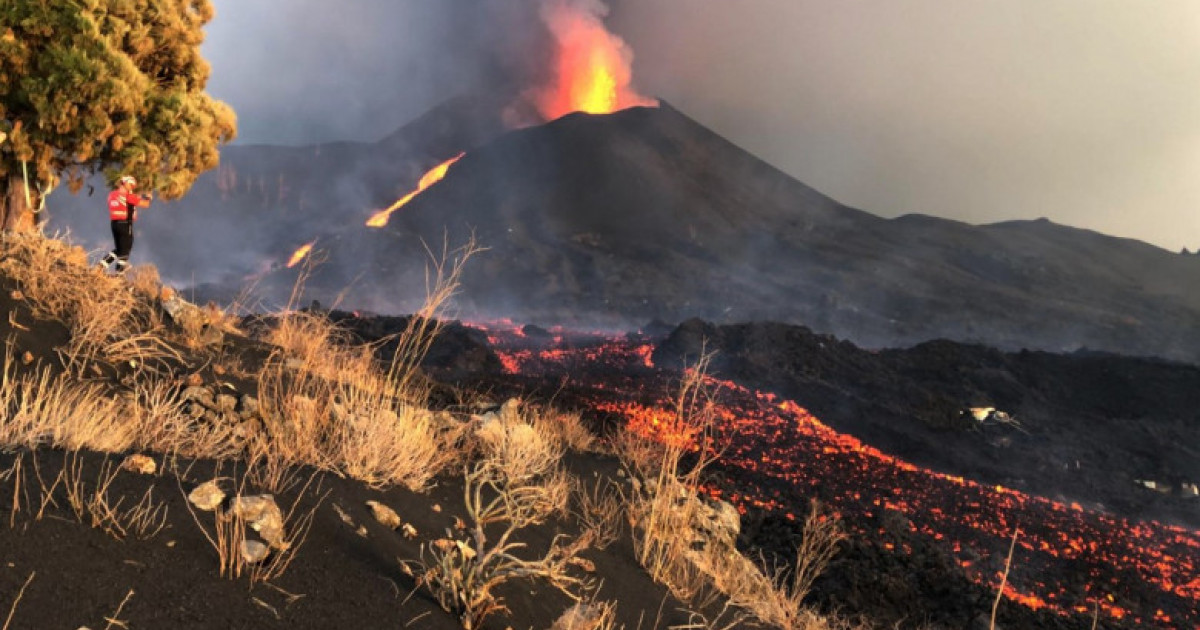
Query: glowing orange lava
<point x="1071" y="559"/>
<point x="435" y="175"/>
<point x="301" y="253"/>
<point x="593" y="68"/>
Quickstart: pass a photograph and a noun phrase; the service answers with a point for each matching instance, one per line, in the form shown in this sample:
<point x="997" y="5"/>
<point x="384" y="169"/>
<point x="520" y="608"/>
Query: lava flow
<point x="300" y="254"/>
<point x="435" y="175"/>
<point x="1069" y="560"/>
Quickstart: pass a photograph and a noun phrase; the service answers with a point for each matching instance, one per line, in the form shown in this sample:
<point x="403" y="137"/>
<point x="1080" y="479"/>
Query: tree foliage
<point x="106" y="85"/>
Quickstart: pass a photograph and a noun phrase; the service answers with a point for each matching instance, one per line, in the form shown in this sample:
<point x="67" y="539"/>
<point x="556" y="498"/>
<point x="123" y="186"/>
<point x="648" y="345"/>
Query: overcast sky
<point x="1083" y="111"/>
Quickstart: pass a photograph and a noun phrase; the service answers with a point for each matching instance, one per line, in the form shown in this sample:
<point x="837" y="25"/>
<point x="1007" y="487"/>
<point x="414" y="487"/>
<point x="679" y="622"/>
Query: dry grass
<point x="676" y="544"/>
<point x="56" y="410"/>
<point x="97" y="309"/>
<point x="463" y="575"/>
<point x="588" y="616"/>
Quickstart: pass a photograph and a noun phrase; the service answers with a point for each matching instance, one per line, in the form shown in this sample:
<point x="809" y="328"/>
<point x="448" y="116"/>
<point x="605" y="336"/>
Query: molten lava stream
<point x="1118" y="562"/>
<point x="433" y="176"/>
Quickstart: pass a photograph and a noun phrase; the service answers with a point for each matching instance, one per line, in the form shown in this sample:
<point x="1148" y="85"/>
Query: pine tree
<point x="112" y="86"/>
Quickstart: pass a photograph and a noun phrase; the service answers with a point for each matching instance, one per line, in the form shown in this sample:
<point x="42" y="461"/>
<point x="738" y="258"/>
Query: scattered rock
<point x="253" y="551"/>
<point x="384" y="514"/>
<point x="202" y="395"/>
<point x="207" y="496"/>
<point x="263" y="515"/>
<point x="140" y="464"/>
<point x="226" y="403"/>
<point x="408" y="530"/>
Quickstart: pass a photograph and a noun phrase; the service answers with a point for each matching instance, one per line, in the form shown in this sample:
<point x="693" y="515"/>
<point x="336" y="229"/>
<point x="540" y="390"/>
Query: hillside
<point x="154" y="452"/>
<point x="618" y="219"/>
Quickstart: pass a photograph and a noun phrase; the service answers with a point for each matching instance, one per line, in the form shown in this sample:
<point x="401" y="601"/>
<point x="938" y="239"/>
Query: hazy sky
<point x="1083" y="111"/>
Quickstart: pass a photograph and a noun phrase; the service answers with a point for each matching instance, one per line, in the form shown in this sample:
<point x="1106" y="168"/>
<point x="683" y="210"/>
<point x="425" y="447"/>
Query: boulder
<point x="253" y="551"/>
<point x="384" y="514"/>
<point x="207" y="496"/>
<point x="263" y="515"/>
<point x="141" y="464"/>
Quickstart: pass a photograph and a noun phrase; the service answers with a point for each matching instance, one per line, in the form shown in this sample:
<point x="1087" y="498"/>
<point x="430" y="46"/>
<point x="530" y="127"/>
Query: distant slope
<point x="645" y="214"/>
<point x="617" y="219"/>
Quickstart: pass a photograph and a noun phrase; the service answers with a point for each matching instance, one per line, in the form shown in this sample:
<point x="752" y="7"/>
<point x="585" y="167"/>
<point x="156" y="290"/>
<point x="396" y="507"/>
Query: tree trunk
<point x="15" y="214"/>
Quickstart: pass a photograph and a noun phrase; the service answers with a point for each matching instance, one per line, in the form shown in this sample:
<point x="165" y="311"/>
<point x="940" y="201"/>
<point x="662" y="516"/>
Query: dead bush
<point x="464" y="574"/>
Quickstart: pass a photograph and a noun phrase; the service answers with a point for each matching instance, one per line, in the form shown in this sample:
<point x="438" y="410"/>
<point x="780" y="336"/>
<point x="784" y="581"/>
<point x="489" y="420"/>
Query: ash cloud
<point x="310" y="71"/>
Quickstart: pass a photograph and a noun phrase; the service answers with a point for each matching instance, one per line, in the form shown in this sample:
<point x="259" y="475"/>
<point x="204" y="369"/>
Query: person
<point x="123" y="204"/>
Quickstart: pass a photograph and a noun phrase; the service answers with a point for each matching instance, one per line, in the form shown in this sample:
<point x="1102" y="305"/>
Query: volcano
<point x="616" y="219"/>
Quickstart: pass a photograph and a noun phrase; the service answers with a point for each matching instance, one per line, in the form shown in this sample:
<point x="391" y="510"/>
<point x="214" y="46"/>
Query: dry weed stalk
<point x="229" y="532"/>
<point x="778" y="599"/>
<point x="463" y="575"/>
<point x="99" y="310"/>
<point x="48" y="409"/>
<point x="21" y="593"/>
<point x="17" y="473"/>
<point x="1004" y="578"/>
<point x="328" y="405"/>
<point x="665" y="505"/>
<point x="667" y="515"/>
<point x="600" y="511"/>
<point x="588" y="616"/>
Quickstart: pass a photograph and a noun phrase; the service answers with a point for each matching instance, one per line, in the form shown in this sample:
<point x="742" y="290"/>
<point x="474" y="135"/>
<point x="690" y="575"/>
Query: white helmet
<point x="127" y="179"/>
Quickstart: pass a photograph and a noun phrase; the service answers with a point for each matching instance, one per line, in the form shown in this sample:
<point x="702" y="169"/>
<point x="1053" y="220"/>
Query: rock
<point x="384" y="514"/>
<point x="207" y="496"/>
<point x="727" y="519"/>
<point x="253" y="551"/>
<point x="263" y="515"/>
<point x="226" y="403"/>
<point x="510" y="411"/>
<point x="202" y="395"/>
<point x="141" y="464"/>
<point x="249" y="406"/>
<point x="408" y="530"/>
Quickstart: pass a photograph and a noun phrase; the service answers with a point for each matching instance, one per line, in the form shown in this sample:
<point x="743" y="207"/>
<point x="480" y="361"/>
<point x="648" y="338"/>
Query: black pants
<point x="122" y="232"/>
<point x="123" y="238"/>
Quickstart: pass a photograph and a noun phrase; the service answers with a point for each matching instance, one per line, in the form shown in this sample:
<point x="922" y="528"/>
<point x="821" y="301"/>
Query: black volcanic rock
<point x="1090" y="425"/>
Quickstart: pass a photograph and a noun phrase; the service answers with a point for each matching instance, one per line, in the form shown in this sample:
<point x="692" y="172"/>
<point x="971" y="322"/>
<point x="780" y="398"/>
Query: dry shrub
<point x="93" y="505"/>
<point x="599" y="510"/>
<point x="565" y="428"/>
<point x="663" y="505"/>
<point x="588" y="616"/>
<point x="516" y="447"/>
<point x="328" y="404"/>
<point x="777" y="599"/>
<point x="669" y="518"/>
<point x="463" y="575"/>
<point x="46" y="409"/>
<point x="97" y="309"/>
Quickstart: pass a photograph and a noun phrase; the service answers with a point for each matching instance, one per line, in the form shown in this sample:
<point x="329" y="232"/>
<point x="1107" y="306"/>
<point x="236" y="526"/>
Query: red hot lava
<point x="1061" y="546"/>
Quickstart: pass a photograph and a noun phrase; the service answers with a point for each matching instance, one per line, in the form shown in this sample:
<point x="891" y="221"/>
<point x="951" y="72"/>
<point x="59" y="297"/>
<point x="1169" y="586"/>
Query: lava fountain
<point x="592" y="71"/>
<point x="435" y="175"/>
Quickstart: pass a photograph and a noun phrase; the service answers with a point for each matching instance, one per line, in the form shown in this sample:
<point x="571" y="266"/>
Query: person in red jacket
<point x="123" y="204"/>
